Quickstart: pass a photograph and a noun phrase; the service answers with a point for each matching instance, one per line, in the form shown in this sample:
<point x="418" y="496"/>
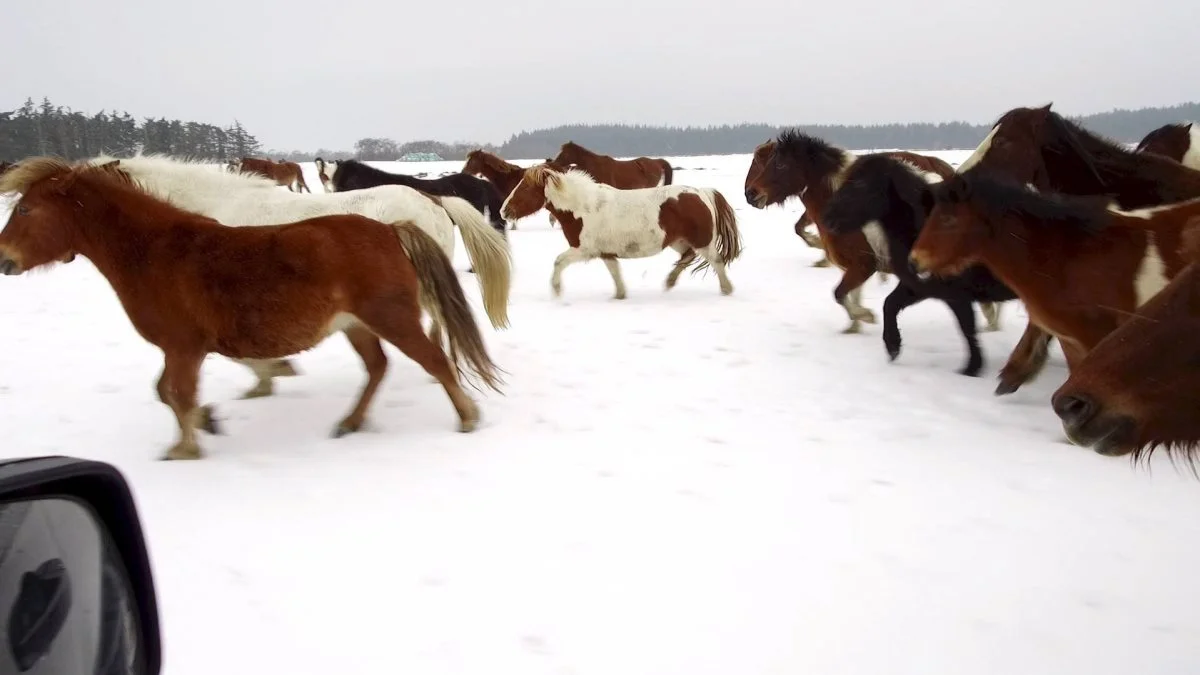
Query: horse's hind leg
<point x="266" y="370"/>
<point x="687" y="255"/>
<point x="403" y="329"/>
<point x="375" y="361"/>
<point x="1026" y="360"/>
<point x="614" y="270"/>
<point x="710" y="254"/>
<point x="848" y="294"/>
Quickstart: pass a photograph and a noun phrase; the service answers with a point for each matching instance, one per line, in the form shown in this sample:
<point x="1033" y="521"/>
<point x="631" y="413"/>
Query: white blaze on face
<point x="326" y="175"/>
<point x="980" y="152"/>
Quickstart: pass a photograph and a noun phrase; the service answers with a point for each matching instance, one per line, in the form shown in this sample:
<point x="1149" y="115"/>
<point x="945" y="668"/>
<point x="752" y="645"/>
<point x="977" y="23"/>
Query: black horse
<point x="351" y="174"/>
<point x="886" y="193"/>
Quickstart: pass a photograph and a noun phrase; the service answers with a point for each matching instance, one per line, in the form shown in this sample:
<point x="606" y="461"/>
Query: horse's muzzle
<point x="8" y="266"/>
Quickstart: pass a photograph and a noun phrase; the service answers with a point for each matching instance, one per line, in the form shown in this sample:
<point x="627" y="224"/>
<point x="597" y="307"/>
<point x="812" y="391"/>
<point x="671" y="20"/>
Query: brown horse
<point x="1040" y="147"/>
<point x="625" y="174"/>
<point x="1080" y="268"/>
<point x="192" y="286"/>
<point x="610" y="223"/>
<point x="287" y="174"/>
<point x="1139" y="388"/>
<point x="795" y="164"/>
<point x="504" y="175"/>
<point x="1179" y="141"/>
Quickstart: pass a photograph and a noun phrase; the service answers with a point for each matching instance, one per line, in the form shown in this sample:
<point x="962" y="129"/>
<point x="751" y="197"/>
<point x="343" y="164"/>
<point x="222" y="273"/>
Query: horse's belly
<point x="622" y="243"/>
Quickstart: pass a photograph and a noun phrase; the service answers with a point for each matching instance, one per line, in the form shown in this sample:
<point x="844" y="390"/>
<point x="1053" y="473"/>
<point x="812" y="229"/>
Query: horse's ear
<point x="1188" y="126"/>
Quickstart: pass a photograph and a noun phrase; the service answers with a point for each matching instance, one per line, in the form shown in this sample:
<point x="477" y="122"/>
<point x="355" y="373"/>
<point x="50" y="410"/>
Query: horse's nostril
<point x="1074" y="410"/>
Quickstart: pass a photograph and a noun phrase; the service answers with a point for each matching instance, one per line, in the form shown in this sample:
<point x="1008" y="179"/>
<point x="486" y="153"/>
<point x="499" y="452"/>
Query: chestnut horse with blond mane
<point x="287" y="174"/>
<point x="610" y="223"/>
<point x="1139" y="388"/>
<point x="192" y="286"/>
<point x="625" y="174"/>
<point x="504" y="175"/>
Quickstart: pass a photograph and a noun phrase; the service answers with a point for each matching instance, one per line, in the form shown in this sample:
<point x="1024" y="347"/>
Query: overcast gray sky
<point x="303" y="74"/>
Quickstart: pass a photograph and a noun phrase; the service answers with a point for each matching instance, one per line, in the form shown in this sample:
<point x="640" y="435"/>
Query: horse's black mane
<point x="822" y="156"/>
<point x="872" y="182"/>
<point x="997" y="197"/>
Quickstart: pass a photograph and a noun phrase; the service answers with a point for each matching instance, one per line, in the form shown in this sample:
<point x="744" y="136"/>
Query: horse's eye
<point x="22" y="210"/>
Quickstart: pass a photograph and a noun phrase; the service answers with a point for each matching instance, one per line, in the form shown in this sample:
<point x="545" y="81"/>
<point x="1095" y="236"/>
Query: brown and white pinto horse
<point x="287" y="174"/>
<point x="1179" y="141"/>
<point x="504" y="175"/>
<point x="1080" y="267"/>
<point x="795" y="164"/>
<point x="1039" y="147"/>
<point x="626" y="174"/>
<point x="192" y="286"/>
<point x="611" y="223"/>
<point x="1139" y="388"/>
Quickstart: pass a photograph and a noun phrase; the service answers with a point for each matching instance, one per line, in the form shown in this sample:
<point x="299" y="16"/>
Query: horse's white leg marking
<point x="1152" y="274"/>
<point x="686" y="255"/>
<point x="264" y="370"/>
<point x="991" y="312"/>
<point x="709" y="253"/>
<point x="565" y="259"/>
<point x="980" y="152"/>
<point x="614" y="270"/>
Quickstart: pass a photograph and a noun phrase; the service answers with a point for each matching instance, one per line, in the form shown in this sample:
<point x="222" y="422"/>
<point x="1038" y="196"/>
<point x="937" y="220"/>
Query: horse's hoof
<point x="1006" y="388"/>
<point x="867" y="317"/>
<point x="893" y="353"/>
<point x="208" y="421"/>
<point x="467" y="426"/>
<point x="970" y="371"/>
<point x="183" y="452"/>
<point x="852" y="329"/>
<point x="260" y="391"/>
<point x="285" y="368"/>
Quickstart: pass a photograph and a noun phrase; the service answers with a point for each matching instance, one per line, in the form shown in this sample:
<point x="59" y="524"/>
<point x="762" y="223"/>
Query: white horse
<point x="635" y="223"/>
<point x="249" y="199"/>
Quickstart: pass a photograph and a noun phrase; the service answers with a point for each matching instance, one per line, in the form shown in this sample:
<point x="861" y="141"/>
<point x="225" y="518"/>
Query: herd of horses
<point x="1098" y="241"/>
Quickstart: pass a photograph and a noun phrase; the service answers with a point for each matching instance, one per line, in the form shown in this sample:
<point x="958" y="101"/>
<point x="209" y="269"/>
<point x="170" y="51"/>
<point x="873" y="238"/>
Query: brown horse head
<point x="530" y="194"/>
<point x="1139" y="388"/>
<point x="1169" y="140"/>
<point x="475" y="164"/>
<point x="795" y="163"/>
<point x="1014" y="147"/>
<point x="40" y="230"/>
<point x="758" y="162"/>
<point x="569" y="153"/>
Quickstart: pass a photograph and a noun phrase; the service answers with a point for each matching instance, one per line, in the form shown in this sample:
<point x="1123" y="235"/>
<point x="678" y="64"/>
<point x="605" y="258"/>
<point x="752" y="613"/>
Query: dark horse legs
<point x="963" y="307"/>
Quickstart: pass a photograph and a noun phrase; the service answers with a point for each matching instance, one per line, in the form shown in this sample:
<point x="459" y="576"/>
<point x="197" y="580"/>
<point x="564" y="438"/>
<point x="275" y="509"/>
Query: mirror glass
<point x="66" y="607"/>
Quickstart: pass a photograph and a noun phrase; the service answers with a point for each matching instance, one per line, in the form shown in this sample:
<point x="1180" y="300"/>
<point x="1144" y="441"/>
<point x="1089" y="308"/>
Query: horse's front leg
<point x="180" y="378"/>
<point x="853" y="277"/>
<point x="565" y="259"/>
<point x="614" y="270"/>
<point x="1026" y="360"/>
<point x="964" y="311"/>
<point x="901" y="296"/>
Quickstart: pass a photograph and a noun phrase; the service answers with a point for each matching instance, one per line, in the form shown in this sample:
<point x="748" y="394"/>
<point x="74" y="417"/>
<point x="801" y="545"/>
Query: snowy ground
<point x="677" y="483"/>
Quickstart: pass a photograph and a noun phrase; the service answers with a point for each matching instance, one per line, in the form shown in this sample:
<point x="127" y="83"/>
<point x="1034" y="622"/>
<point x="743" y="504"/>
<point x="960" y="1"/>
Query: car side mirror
<point x="76" y="588"/>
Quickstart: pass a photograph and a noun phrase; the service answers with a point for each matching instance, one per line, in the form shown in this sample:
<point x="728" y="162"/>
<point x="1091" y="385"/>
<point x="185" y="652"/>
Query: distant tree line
<point x="632" y="140"/>
<point x="48" y="129"/>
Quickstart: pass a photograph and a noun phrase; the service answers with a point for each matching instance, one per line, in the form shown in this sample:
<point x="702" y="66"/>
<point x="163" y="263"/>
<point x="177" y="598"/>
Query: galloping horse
<point x="192" y="286"/>
<point x="502" y="174"/>
<point x="1040" y="147"/>
<point x="351" y="174"/>
<point x="625" y="174"/>
<point x="881" y="196"/>
<point x="1079" y="267"/>
<point x="246" y="199"/>
<point x="611" y="223"/>
<point x="795" y="164"/>
<point x="1139" y="388"/>
<point x="1179" y="141"/>
<point x="287" y="174"/>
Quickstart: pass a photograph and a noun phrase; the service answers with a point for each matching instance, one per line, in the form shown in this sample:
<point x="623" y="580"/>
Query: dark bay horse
<point x="504" y="175"/>
<point x="1179" y="141"/>
<point x="192" y="286"/>
<point x="1042" y="148"/>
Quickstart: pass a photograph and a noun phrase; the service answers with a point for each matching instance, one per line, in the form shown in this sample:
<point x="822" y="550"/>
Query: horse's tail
<point x="442" y="296"/>
<point x="300" y="181"/>
<point x="726" y="236"/>
<point x="489" y="254"/>
<point x="668" y="172"/>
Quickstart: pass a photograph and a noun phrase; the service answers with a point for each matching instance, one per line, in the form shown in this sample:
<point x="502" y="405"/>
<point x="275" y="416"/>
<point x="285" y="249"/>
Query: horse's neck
<point x="575" y="196"/>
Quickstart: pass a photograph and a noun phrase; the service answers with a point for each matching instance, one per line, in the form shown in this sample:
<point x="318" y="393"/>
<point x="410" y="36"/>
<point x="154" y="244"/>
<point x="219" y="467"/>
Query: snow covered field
<point x="673" y="484"/>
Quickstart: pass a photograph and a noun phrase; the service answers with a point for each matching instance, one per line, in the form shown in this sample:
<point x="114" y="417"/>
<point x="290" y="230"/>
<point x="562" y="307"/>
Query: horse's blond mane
<point x="31" y="170"/>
